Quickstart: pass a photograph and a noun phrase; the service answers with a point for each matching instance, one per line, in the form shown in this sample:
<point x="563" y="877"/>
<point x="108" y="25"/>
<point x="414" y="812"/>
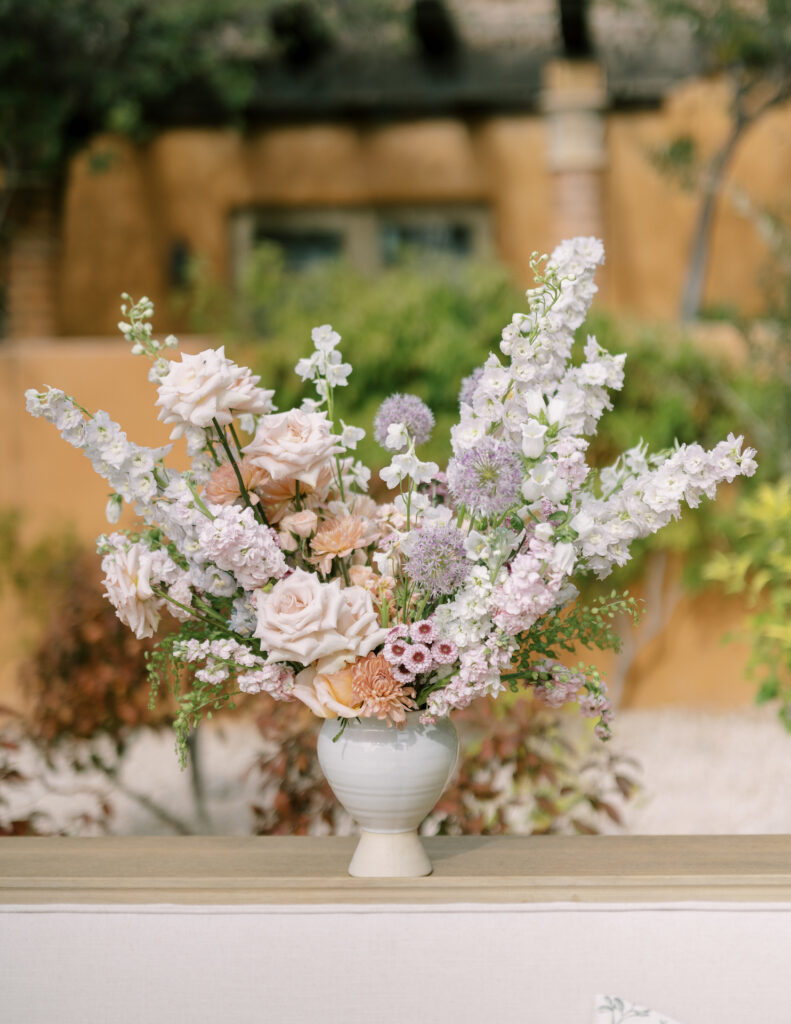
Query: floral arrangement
<point x="289" y="579"/>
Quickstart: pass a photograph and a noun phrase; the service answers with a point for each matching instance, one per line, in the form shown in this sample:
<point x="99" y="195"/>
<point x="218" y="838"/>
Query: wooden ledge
<point x="312" y="870"/>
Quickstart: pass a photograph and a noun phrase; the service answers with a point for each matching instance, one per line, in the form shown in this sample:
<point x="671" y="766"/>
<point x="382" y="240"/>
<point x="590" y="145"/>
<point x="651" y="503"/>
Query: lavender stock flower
<point x="409" y="410"/>
<point x="438" y="562"/>
<point x="487" y="477"/>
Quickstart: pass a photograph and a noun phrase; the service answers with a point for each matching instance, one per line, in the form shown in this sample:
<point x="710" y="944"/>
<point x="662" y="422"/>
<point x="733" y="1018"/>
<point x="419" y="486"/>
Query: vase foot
<point x="389" y="855"/>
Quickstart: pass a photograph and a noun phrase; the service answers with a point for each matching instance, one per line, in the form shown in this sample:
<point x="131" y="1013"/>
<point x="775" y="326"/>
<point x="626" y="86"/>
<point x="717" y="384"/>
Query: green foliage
<point x="39" y="573"/>
<point x="752" y="37"/>
<point x="758" y="566"/>
<point x="71" y="68"/>
<point x="407" y="329"/>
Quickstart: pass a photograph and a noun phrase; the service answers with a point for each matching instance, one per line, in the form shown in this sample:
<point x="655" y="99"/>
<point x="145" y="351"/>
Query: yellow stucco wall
<point x="119" y="223"/>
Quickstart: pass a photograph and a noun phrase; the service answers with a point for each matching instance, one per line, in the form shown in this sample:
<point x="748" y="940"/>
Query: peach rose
<point x="298" y="524"/>
<point x="328" y="696"/>
<point x="304" y="620"/>
<point x="301" y="523"/>
<point x="293" y="444"/>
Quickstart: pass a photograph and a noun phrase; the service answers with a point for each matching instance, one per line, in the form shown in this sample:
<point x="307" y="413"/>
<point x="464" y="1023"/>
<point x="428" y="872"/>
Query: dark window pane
<point x="303" y="248"/>
<point x="397" y="240"/>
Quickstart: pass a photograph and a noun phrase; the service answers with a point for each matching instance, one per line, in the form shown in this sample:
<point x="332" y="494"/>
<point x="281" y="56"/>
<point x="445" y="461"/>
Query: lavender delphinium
<point x="486" y="478"/>
<point x="468" y="386"/>
<point x="438" y="562"/>
<point x="408" y="410"/>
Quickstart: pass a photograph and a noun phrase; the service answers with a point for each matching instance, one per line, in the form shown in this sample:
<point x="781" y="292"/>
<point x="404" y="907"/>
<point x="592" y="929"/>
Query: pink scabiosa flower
<point x="402" y="673"/>
<point x="418" y="658"/>
<point x="445" y="652"/>
<point x="423" y="632"/>
<point x="408" y="410"/>
<point x="380" y="693"/>
<point x="398" y="632"/>
<point x="395" y="650"/>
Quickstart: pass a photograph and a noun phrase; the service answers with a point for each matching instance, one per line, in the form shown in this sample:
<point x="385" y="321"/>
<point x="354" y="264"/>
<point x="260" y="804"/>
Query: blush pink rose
<point x="309" y="622"/>
<point x="294" y="444"/>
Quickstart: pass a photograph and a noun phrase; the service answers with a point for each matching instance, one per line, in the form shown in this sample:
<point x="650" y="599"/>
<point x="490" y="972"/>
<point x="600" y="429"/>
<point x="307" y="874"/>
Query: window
<point x="368" y="237"/>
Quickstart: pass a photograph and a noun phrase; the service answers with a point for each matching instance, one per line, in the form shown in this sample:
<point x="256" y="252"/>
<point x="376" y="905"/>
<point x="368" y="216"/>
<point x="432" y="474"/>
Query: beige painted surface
<point x="312" y="870"/>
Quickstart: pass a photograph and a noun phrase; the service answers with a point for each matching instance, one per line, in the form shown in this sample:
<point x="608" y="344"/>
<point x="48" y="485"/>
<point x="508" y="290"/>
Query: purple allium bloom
<point x="468" y="386"/>
<point x="407" y="409"/>
<point x="438" y="562"/>
<point x="486" y="477"/>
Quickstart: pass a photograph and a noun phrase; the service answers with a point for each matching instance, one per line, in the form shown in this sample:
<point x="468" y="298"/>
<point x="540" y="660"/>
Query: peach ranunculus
<point x="336" y="538"/>
<point x="222" y="487"/>
<point x="301" y="523"/>
<point x="309" y="622"/>
<point x="328" y="696"/>
<point x="296" y="445"/>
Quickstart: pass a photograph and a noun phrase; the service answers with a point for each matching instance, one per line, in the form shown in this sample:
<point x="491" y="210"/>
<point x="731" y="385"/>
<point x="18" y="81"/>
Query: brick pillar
<point x="574" y="97"/>
<point x="31" y="268"/>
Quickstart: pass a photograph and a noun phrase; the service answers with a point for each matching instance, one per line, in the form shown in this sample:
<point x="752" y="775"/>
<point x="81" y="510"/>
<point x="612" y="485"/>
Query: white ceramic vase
<point x="388" y="780"/>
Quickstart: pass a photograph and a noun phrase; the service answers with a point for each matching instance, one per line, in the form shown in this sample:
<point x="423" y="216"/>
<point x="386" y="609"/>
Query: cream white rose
<point x="208" y="386"/>
<point x="293" y="444"/>
<point x="304" y="620"/>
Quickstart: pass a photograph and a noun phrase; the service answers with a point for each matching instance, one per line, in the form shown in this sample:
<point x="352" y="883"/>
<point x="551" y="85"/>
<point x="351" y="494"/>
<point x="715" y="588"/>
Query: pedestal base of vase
<point x="388" y="779"/>
<point x="389" y="855"/>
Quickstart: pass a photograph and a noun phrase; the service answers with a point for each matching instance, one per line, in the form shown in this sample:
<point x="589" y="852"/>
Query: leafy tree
<point x="71" y="68"/>
<point x="751" y="45"/>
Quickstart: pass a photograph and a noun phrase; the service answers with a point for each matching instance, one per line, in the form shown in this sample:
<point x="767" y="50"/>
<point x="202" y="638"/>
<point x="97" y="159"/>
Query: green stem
<point x="236" y="440"/>
<point x="340" y="477"/>
<point x="242" y="489"/>
<point x="214" y="455"/>
<point x="194" y="611"/>
<point x="198" y="502"/>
